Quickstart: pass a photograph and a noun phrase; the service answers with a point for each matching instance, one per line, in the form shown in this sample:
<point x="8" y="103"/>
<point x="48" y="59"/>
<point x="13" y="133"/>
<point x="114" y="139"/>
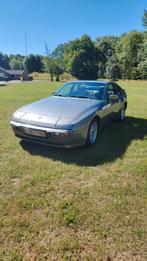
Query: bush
<point x="40" y="76"/>
<point x="67" y="77"/>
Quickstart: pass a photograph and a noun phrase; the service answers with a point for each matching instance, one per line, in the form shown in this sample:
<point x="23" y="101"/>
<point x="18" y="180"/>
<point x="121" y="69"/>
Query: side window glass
<point x="117" y="87"/>
<point x="112" y="89"/>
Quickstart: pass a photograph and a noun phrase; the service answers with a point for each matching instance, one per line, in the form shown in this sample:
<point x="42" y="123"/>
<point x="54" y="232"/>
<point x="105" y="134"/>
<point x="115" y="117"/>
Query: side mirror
<point x="113" y="97"/>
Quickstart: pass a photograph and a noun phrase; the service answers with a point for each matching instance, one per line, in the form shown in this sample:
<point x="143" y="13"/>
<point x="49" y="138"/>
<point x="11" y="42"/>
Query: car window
<point x="116" y="85"/>
<point x="119" y="89"/>
<point x="111" y="89"/>
<point x="89" y="90"/>
<point x="66" y="90"/>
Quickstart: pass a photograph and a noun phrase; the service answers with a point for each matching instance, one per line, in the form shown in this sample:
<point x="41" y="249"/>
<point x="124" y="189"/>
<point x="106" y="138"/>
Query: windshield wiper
<point x="72" y="96"/>
<point x="84" y="97"/>
<point x="60" y="95"/>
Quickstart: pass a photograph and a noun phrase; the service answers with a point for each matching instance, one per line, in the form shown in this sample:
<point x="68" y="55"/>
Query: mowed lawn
<point x="74" y="204"/>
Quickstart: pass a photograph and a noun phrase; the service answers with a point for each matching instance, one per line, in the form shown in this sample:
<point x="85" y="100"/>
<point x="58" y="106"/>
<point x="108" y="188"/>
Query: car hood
<point x="53" y="110"/>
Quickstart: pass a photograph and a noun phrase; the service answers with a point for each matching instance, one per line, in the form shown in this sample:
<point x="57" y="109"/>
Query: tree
<point x="144" y="18"/>
<point x="142" y="54"/>
<point x="142" y="67"/>
<point x="127" y="52"/>
<point x="16" y="62"/>
<point x="53" y="65"/>
<point x="4" y="61"/>
<point x="107" y="47"/>
<point x="33" y="63"/>
<point x="59" y="51"/>
<point x="112" y="69"/>
<point x="81" y="58"/>
<point x="58" y="68"/>
<point x="49" y="62"/>
<point x="58" y="55"/>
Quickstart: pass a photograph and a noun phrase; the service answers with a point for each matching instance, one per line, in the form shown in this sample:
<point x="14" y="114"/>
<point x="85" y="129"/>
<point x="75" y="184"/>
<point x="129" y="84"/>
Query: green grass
<point x="80" y="204"/>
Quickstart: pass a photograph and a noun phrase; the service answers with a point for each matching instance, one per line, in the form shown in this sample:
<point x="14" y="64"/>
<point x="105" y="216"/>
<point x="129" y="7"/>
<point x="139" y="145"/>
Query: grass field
<point x="79" y="204"/>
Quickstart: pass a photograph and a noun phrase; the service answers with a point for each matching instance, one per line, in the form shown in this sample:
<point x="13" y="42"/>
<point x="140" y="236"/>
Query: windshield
<point x="87" y="90"/>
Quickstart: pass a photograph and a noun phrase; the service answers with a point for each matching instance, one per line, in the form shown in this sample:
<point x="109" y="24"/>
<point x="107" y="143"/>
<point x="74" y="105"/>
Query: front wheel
<point x="92" y="133"/>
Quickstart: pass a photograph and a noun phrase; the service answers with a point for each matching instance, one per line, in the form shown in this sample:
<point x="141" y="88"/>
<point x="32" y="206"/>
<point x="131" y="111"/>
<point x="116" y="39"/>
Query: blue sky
<point x="58" y="21"/>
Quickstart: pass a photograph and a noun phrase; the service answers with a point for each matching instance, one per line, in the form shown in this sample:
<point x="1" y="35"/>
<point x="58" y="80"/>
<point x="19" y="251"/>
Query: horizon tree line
<point x="113" y="57"/>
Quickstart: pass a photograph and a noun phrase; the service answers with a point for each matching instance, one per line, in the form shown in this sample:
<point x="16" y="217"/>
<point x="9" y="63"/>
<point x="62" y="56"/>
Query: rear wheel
<point x="92" y="132"/>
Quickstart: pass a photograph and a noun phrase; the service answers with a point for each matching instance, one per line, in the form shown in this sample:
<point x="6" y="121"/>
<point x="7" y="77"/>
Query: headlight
<point x="64" y="135"/>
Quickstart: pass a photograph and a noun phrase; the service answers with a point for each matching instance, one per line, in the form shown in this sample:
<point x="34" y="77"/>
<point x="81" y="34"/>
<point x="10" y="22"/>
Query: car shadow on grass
<point x="112" y="144"/>
<point x="2" y="84"/>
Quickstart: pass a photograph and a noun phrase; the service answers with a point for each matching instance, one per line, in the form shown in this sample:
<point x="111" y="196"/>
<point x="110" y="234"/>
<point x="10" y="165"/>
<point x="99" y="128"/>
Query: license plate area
<point x="36" y="133"/>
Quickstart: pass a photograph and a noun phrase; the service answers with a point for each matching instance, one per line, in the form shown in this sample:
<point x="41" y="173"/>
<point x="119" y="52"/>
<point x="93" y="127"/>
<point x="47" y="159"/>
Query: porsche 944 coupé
<point x="73" y="115"/>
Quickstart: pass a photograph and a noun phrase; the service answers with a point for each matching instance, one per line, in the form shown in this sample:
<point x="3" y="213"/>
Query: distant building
<point x="8" y="75"/>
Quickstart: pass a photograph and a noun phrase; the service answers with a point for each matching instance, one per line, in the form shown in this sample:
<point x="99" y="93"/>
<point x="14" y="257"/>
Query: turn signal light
<point x="62" y="135"/>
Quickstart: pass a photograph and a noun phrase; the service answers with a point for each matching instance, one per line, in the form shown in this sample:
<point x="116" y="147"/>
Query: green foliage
<point x="112" y="69"/>
<point x="67" y="213"/>
<point x="58" y="68"/>
<point x="127" y="52"/>
<point x="136" y="73"/>
<point x="144" y="18"/>
<point x="15" y="256"/>
<point x="4" y="61"/>
<point x="142" y="67"/>
<point x="107" y="46"/>
<point x="33" y="63"/>
<point x="81" y="58"/>
<point x="58" y="55"/>
<point x="111" y="57"/>
<point x="142" y="57"/>
<point x="59" y="51"/>
<point x="16" y="62"/>
<point x="53" y="63"/>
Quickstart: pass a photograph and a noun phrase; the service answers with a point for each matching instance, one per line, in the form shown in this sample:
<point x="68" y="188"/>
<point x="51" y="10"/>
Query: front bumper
<point x="74" y="140"/>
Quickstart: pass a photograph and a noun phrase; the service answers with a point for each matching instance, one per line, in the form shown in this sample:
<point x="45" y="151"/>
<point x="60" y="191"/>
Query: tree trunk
<point x="52" y="78"/>
<point x="57" y="78"/>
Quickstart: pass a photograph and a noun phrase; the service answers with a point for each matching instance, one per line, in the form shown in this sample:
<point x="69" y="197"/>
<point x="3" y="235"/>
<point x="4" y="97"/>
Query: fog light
<point x="62" y="135"/>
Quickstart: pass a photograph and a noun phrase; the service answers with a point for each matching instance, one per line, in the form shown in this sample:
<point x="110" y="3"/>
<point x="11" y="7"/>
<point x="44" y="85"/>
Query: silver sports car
<point x="72" y="116"/>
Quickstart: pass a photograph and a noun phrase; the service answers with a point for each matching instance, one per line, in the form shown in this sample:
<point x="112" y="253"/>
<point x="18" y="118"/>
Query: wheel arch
<point x="93" y="118"/>
<point x="97" y="118"/>
<point x="125" y="104"/>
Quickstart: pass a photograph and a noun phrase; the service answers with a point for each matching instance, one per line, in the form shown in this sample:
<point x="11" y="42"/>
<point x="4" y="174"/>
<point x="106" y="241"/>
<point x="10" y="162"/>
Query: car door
<point x="113" y="100"/>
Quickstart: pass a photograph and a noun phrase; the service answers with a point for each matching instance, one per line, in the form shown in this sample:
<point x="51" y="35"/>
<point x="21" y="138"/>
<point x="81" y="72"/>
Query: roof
<point x="15" y="72"/>
<point x="12" y="72"/>
<point x="103" y="82"/>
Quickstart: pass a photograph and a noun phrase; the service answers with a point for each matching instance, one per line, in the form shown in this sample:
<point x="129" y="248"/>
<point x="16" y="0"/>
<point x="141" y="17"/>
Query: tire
<point x="93" y="131"/>
<point x="122" y="114"/>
